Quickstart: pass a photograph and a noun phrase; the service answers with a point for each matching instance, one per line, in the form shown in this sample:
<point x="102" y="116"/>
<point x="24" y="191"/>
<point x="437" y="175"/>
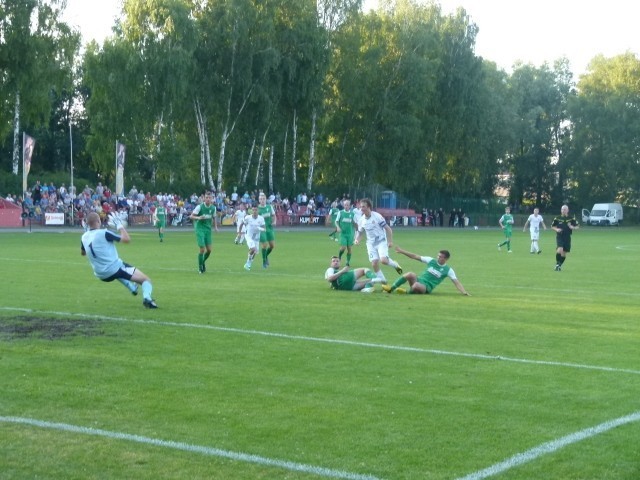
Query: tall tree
<point x="605" y="159"/>
<point x="36" y="55"/>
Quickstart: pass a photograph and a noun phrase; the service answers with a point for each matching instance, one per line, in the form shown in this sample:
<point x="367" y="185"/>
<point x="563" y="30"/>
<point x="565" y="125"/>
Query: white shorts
<point x="535" y="234"/>
<point x="377" y="251"/>
<point x="241" y="228"/>
<point x="253" y="243"/>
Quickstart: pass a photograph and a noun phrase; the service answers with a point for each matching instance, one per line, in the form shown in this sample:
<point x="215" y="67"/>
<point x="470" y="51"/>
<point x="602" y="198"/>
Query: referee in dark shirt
<point x="564" y="225"/>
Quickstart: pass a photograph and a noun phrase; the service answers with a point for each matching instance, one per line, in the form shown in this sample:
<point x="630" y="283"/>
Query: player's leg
<point x="383" y="252"/>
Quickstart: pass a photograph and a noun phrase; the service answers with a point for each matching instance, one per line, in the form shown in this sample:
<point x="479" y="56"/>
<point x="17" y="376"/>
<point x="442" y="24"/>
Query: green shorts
<point x="268" y="236"/>
<point x="346" y="281"/>
<point x="161" y="223"/>
<point x="203" y="237"/>
<point x="346" y="240"/>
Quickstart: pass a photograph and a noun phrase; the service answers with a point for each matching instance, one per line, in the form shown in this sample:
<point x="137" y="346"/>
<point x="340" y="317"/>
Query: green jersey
<point x="268" y="213"/>
<point x="435" y="273"/>
<point x="507" y="222"/>
<point x="346" y="281"/>
<point x="161" y="216"/>
<point x="204" y="210"/>
<point x="345" y="221"/>
<point x="333" y="214"/>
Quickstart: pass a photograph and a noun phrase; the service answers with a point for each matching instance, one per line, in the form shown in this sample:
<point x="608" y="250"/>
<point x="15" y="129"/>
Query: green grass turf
<point x="273" y="363"/>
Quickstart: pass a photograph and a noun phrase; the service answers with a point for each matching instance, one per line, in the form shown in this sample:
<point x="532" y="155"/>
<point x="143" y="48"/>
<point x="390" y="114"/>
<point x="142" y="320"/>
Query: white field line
<point x="214" y="452"/>
<point x="334" y="341"/>
<point x="550" y="447"/>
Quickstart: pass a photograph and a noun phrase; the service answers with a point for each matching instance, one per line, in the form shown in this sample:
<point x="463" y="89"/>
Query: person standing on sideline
<point x="359" y="279"/>
<point x="564" y="227"/>
<point x="203" y="216"/>
<point x="379" y="238"/>
<point x="98" y="245"/>
<point x="254" y="225"/>
<point x="268" y="237"/>
<point x="238" y="218"/>
<point x="160" y="219"/>
<point x="437" y="270"/>
<point x="344" y="225"/>
<point x="333" y="214"/>
<point x="534" y="221"/>
<point x="506" y="223"/>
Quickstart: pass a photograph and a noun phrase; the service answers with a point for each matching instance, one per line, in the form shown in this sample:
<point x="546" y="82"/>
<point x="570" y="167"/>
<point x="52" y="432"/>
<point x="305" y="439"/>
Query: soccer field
<point x="270" y="374"/>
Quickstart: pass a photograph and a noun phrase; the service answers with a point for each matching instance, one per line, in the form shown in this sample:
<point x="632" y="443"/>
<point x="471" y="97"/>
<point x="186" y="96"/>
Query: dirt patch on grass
<point x="16" y="328"/>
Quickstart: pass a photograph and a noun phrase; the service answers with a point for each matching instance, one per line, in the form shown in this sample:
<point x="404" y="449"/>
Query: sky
<point x="530" y="31"/>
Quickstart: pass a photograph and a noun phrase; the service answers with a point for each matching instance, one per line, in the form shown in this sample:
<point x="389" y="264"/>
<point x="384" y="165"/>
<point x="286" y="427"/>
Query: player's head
<point x="93" y="220"/>
<point x="208" y="198"/>
<point x="443" y="256"/>
<point x="366" y="206"/>
<point x="262" y="198"/>
<point x="564" y="210"/>
<point x="254" y="212"/>
<point x="507" y="210"/>
<point x="346" y="204"/>
<point x="536" y="211"/>
<point x="335" y="262"/>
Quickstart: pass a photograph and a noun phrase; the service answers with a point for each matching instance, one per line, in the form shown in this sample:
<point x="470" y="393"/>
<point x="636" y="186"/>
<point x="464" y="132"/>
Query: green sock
<point x="370" y="274"/>
<point x="508" y="244"/>
<point x="398" y="282"/>
<point x="269" y="250"/>
<point x="340" y="253"/>
<point x="348" y="258"/>
<point x="200" y="259"/>
<point x="264" y="254"/>
<point x="206" y="255"/>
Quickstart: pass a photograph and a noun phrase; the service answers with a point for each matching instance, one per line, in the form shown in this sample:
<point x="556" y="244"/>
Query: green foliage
<point x="273" y="363"/>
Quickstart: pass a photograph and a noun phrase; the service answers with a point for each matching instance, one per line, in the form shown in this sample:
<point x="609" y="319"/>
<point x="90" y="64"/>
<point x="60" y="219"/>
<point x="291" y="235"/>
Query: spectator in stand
<point x="36" y="193"/>
<point x="441" y="217"/>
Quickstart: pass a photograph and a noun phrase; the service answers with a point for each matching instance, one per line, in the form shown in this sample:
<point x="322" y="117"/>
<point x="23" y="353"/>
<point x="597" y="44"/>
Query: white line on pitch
<point x="214" y="452"/>
<point x="550" y="447"/>
<point x="334" y="341"/>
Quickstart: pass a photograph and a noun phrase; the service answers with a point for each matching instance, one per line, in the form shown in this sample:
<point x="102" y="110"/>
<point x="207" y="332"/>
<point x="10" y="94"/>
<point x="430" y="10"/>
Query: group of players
<point x="257" y="228"/>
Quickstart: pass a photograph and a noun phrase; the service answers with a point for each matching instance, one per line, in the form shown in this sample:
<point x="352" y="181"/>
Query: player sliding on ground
<point x="361" y="279"/>
<point x="437" y="270"/>
<point x="98" y="246"/>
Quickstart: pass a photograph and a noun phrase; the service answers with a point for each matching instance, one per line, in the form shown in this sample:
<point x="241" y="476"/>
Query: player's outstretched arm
<point x="460" y="288"/>
<point x="408" y="254"/>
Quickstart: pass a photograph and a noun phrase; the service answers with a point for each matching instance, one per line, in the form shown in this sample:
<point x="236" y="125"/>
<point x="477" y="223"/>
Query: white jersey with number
<point x="101" y="251"/>
<point x="240" y="216"/>
<point x="534" y="225"/>
<point x="254" y="226"/>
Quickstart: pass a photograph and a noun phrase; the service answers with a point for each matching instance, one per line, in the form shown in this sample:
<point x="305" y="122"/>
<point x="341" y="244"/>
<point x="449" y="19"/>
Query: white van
<point x="603" y="214"/>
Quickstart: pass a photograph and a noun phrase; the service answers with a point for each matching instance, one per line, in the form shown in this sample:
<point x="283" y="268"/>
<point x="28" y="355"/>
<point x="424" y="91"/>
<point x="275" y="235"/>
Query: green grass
<point x="273" y="363"/>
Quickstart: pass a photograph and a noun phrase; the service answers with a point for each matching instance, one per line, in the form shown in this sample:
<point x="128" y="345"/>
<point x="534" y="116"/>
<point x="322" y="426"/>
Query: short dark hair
<point x="445" y="253"/>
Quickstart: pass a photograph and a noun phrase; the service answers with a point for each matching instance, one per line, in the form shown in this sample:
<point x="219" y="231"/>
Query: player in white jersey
<point x="254" y="225"/>
<point x="379" y="238"/>
<point x="238" y="218"/>
<point x="534" y="221"/>
<point x="98" y="246"/>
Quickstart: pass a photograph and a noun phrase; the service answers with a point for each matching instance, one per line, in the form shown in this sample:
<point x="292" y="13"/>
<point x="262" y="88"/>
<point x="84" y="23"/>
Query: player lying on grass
<point x="361" y="279"/>
<point x="437" y="270"/>
<point x="98" y="246"/>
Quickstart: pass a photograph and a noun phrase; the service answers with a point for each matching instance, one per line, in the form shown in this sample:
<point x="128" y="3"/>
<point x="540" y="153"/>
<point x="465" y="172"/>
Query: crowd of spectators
<point x="76" y="203"/>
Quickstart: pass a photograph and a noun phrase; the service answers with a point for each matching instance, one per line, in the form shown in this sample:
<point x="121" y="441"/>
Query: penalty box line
<point x="334" y="341"/>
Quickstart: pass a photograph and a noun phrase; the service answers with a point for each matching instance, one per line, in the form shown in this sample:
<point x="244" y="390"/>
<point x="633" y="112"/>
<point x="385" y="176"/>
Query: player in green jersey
<point x="506" y="223"/>
<point x="564" y="225"/>
<point x="333" y="214"/>
<point x="345" y="223"/>
<point x="437" y="270"/>
<point x="268" y="237"/>
<point x="160" y="219"/>
<point x="203" y="216"/>
<point x="359" y="279"/>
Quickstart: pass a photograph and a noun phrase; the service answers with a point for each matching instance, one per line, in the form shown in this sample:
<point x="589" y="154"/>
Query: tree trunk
<point x="249" y="160"/>
<point x="294" y="148"/>
<point x="271" y="168"/>
<point x="312" y="150"/>
<point x="16" y="135"/>
<point x="201" y="123"/>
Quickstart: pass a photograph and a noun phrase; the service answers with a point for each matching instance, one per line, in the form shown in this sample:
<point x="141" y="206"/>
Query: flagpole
<point x="24" y="176"/>
<point x="71" y="185"/>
